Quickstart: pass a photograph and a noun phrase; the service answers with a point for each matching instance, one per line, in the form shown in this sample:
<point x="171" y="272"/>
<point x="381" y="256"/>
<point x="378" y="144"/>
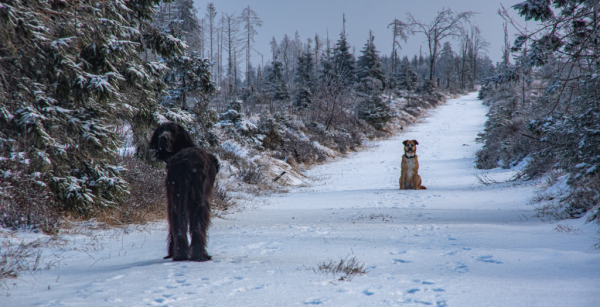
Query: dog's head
<point x="168" y="139"/>
<point x="410" y="147"/>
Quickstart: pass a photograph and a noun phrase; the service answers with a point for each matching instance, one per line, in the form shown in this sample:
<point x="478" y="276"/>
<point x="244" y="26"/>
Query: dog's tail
<point x="422" y="188"/>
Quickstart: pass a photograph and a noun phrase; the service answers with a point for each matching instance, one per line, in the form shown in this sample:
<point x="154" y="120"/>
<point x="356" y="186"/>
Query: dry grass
<point x="25" y="201"/>
<point x="485" y="179"/>
<point x="222" y="202"/>
<point x="376" y="217"/>
<point x="17" y="257"/>
<point x="146" y="201"/>
<point x="567" y="229"/>
<point x="251" y="175"/>
<point x="349" y="267"/>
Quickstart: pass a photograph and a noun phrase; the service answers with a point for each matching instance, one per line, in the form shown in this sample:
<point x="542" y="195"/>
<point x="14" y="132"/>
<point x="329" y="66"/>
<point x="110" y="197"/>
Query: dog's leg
<point x="199" y="222"/>
<point x="402" y="178"/>
<point x="199" y="227"/>
<point x="170" y="234"/>
<point x="169" y="245"/>
<point x="179" y="222"/>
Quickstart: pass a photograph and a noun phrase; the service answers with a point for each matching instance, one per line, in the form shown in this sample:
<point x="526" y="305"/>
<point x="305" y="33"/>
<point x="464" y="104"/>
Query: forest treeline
<point x="545" y="105"/>
<point x="227" y="40"/>
<point x="84" y="83"/>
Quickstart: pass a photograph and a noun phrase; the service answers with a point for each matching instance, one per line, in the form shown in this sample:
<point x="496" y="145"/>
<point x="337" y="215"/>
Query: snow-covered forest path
<point x="458" y="243"/>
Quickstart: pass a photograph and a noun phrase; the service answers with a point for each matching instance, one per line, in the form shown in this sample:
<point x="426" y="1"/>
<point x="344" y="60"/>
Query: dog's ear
<point x="416" y="143"/>
<point x="404" y="142"/>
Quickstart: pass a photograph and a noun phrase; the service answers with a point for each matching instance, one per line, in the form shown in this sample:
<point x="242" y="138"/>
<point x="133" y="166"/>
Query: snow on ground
<point x="458" y="243"/>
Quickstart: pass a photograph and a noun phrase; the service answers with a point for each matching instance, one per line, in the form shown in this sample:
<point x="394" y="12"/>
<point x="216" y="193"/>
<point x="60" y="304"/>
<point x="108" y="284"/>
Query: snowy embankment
<point x="458" y="243"/>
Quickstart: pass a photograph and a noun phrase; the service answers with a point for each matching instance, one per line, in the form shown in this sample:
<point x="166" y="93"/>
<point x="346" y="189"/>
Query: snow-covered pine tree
<point x="370" y="76"/>
<point x="275" y="84"/>
<point x="70" y="72"/>
<point x="328" y="71"/>
<point x="407" y="79"/>
<point x="342" y="60"/>
<point x="190" y="24"/>
<point x="372" y="108"/>
<point x="189" y="88"/>
<point x="375" y="111"/>
<point x="485" y="68"/>
<point x="446" y="64"/>
<point x="305" y="80"/>
<point x="557" y="127"/>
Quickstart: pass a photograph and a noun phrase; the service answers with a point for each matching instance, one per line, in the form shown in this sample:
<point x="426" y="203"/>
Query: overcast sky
<point x="309" y="17"/>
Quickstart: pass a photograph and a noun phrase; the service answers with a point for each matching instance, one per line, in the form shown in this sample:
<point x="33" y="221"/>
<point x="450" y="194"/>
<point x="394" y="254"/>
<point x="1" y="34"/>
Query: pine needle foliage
<point x="70" y="71"/>
<point x="275" y="83"/>
<point x="546" y="106"/>
<point x="369" y="66"/>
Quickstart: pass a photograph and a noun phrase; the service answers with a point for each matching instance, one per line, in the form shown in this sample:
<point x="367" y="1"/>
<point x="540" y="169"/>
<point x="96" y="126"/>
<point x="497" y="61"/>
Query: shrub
<point x="349" y="267"/>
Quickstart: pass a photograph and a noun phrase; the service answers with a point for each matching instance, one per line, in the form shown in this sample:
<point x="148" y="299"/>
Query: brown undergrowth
<point x="146" y="201"/>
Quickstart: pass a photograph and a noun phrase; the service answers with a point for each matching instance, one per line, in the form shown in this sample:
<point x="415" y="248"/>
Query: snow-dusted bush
<point x="375" y="111"/>
<point x="559" y="126"/>
<point x="70" y="72"/>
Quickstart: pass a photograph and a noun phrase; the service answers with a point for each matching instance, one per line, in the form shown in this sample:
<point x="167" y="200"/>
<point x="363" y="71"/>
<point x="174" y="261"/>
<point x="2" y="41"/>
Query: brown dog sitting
<point x="409" y="176"/>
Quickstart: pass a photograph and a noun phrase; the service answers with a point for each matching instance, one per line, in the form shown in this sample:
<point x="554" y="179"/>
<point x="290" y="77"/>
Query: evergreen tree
<point x="190" y="24"/>
<point x="486" y="68"/>
<point x="446" y="63"/>
<point x="70" y="83"/>
<point x="275" y="84"/>
<point x="327" y="68"/>
<point x="415" y="62"/>
<point x="556" y="122"/>
<point x="305" y="80"/>
<point x="407" y="79"/>
<point x="372" y="108"/>
<point x="375" y="111"/>
<point x="343" y="61"/>
<point x="370" y="76"/>
<point x="189" y="88"/>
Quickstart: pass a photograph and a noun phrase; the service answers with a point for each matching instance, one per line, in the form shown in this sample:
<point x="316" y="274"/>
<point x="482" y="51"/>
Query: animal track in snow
<point x="488" y="259"/>
<point x="458" y="267"/>
<point x="314" y="301"/>
<point x="368" y="292"/>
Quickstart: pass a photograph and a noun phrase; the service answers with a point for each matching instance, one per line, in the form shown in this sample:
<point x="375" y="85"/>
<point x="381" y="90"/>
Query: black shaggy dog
<point x="191" y="174"/>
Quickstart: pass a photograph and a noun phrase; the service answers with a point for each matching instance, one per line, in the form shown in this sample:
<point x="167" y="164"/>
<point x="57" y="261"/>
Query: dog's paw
<point x="205" y="257"/>
<point x="180" y="258"/>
